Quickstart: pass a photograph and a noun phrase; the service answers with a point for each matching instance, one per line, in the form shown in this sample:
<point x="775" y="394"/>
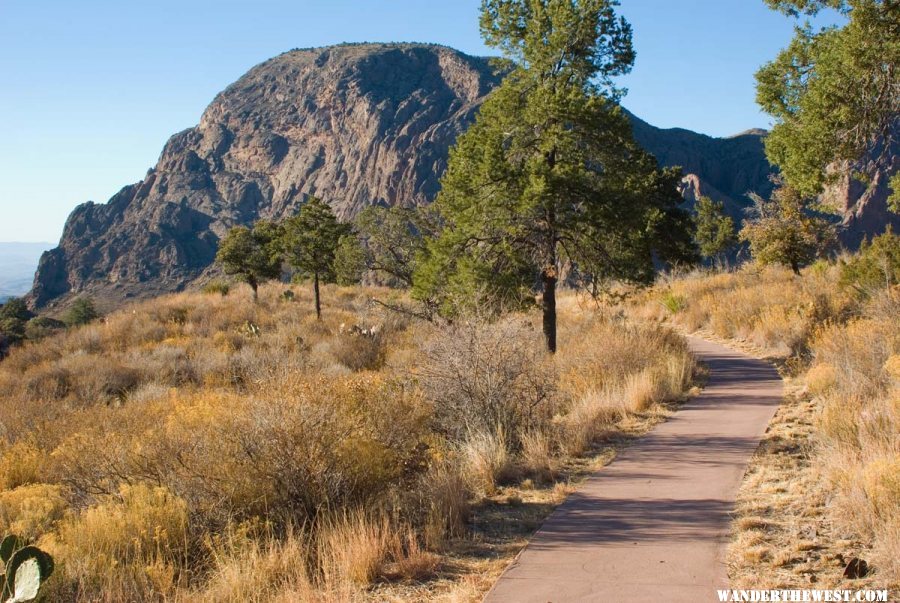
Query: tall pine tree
<point x="549" y="175"/>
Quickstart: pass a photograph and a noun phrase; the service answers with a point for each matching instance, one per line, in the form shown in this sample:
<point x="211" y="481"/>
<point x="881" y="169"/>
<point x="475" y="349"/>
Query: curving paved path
<point x="653" y="525"/>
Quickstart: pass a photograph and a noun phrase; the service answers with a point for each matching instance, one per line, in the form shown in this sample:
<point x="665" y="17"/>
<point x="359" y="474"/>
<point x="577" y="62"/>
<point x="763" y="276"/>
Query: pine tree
<point x="715" y="232"/>
<point x="549" y="175"/>
<point x="251" y="254"/>
<point x="310" y="242"/>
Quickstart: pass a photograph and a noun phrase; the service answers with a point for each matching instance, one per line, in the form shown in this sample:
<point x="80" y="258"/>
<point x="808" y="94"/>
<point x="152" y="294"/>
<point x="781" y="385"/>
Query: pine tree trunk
<point x="316" y="290"/>
<point x="254" y="286"/>
<point x="549" y="307"/>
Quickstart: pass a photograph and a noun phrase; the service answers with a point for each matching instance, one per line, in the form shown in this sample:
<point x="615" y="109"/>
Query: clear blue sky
<point x="91" y="89"/>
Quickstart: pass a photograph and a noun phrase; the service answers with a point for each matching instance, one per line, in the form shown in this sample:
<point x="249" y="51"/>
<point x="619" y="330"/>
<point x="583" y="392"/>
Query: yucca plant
<point x="27" y="567"/>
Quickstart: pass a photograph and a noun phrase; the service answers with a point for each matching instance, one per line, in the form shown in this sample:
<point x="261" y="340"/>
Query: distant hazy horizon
<point x="18" y="261"/>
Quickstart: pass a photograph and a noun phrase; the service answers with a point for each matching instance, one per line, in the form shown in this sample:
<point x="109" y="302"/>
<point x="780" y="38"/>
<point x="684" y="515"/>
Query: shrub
<point x="486" y="460"/>
<point x="142" y="531"/>
<point x="359" y="352"/>
<point x="216" y="288"/>
<point x="31" y="511"/>
<point x="442" y="499"/>
<point x="21" y="463"/>
<point x="353" y="548"/>
<point x="489" y="378"/>
<point x="81" y="312"/>
<point x="42" y="326"/>
<point x="253" y="569"/>
<point x="673" y="303"/>
<point x="876" y="266"/>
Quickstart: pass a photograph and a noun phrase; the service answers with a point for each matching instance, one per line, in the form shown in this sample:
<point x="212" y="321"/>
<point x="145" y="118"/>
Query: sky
<point x="92" y="89"/>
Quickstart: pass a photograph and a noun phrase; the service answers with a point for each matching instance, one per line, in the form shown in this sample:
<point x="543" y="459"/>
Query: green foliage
<point x="14" y="314"/>
<point x="782" y="230"/>
<point x="15" y="308"/>
<point x="216" y="288"/>
<point x="673" y="303"/>
<point x="549" y="175"/>
<point x="26" y="569"/>
<point x="311" y="239"/>
<point x="894" y="198"/>
<point x="875" y="266"/>
<point x="42" y="326"/>
<point x="252" y="255"/>
<point x="11" y="331"/>
<point x="795" y="8"/>
<point x="349" y="260"/>
<point x="310" y="243"/>
<point x="715" y="231"/>
<point x="81" y="312"/>
<point x="834" y="92"/>
<point x="395" y="240"/>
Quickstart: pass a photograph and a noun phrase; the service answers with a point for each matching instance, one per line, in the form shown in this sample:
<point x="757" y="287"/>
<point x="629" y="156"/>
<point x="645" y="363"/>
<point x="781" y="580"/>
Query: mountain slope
<point x="353" y="124"/>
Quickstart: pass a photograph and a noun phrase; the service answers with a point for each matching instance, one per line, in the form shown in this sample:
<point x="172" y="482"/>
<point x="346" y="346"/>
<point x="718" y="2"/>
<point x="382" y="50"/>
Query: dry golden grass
<point x="768" y="308"/>
<point x="837" y="457"/>
<point x="203" y="447"/>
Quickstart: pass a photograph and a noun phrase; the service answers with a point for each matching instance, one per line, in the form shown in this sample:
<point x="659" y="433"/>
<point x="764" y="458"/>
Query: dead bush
<point x="489" y="378"/>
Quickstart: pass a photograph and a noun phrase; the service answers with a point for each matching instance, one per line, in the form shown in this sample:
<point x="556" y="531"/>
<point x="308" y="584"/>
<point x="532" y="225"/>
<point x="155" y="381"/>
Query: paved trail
<point x="653" y="525"/>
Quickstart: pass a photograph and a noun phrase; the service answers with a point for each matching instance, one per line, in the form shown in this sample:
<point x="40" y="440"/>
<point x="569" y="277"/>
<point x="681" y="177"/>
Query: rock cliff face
<point x="862" y="201"/>
<point x="725" y="169"/>
<point x="355" y="125"/>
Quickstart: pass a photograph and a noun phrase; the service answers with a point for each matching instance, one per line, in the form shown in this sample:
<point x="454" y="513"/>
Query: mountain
<point x="725" y="169"/>
<point x="17" y="265"/>
<point x="353" y="124"/>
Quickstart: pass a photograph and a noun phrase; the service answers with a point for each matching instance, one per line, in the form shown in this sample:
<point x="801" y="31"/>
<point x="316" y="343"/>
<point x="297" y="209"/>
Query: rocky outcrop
<point x="725" y="169"/>
<point x="353" y="124"/>
<point x="860" y="192"/>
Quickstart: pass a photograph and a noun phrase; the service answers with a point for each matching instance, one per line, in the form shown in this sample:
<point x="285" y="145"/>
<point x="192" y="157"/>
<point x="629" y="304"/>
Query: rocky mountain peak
<point x="353" y="124"/>
<point x="356" y="125"/>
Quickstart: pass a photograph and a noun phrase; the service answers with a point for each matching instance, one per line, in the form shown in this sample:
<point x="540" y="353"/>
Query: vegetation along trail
<point x="653" y="525"/>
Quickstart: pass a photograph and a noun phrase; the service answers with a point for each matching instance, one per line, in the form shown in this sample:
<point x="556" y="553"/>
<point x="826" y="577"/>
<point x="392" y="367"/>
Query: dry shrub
<point x="47" y="382"/>
<point x="411" y="562"/>
<point x="820" y="378"/>
<point x="131" y="546"/>
<point x="537" y="455"/>
<point x="31" y="511"/>
<point x="305" y="445"/>
<point x="360" y="352"/>
<point x="250" y="419"/>
<point x="442" y="503"/>
<point x="21" y="463"/>
<point x="609" y="369"/>
<point x="486" y="460"/>
<point x="590" y="417"/>
<point x="641" y="390"/>
<point x="770" y="308"/>
<point x="860" y="423"/>
<point x="352" y="549"/>
<point x="260" y="570"/>
<point x="99" y="379"/>
<point x="489" y="378"/>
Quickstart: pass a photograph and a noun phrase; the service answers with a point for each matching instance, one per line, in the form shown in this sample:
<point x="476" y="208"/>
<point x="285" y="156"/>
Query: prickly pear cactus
<point x="27" y="567"/>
